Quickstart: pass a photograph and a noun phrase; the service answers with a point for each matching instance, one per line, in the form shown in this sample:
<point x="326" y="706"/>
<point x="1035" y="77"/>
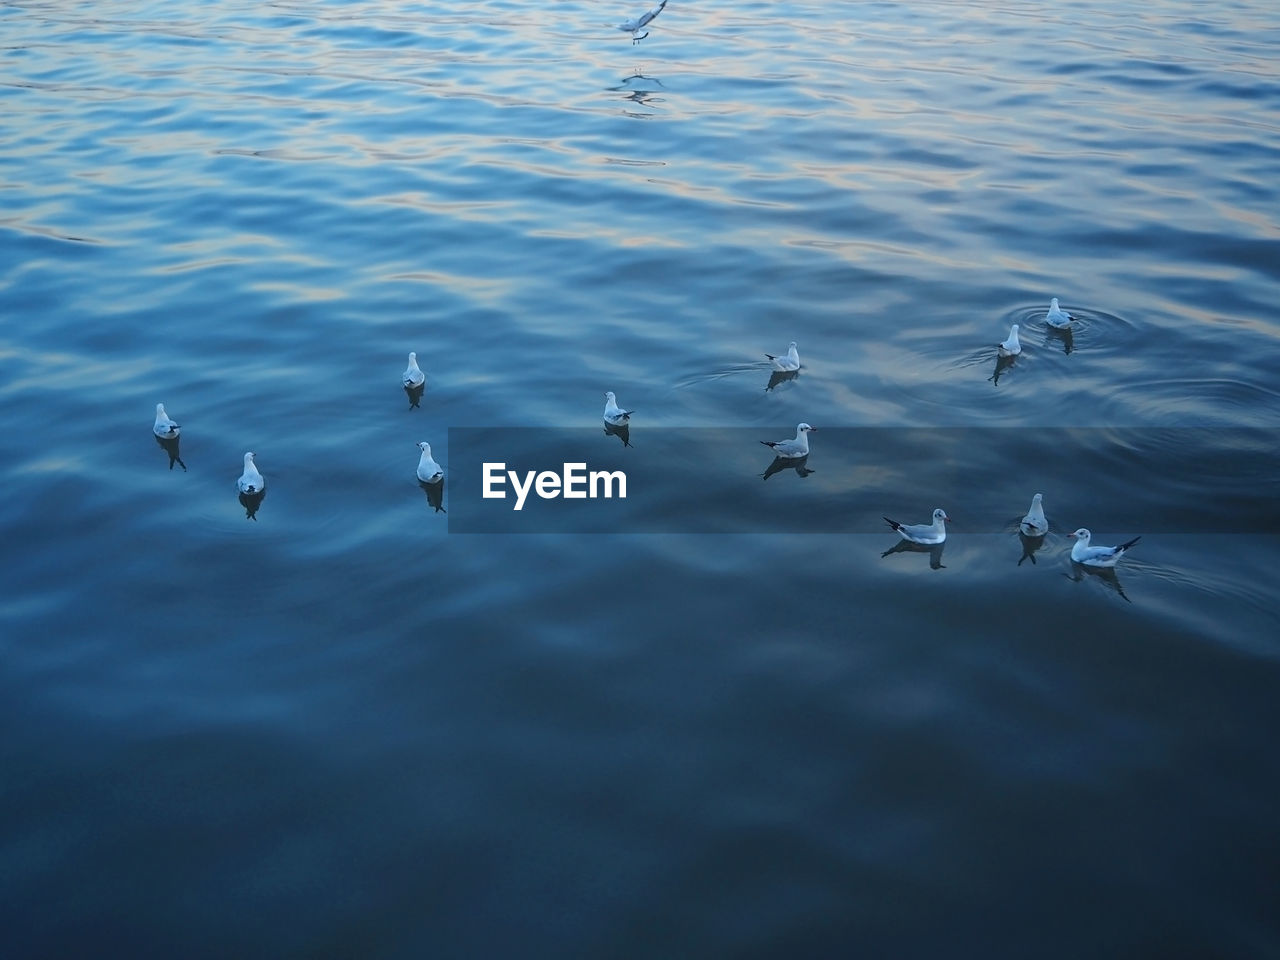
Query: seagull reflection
<point x="170" y="446"/>
<point x="780" y="376"/>
<point x="1062" y="334"/>
<point x="251" y="502"/>
<point x="620" y="430"/>
<point x="933" y="550"/>
<point x="787" y="463"/>
<point x="1106" y="574"/>
<point x="639" y="89"/>
<point x="414" y="394"/>
<point x="1029" y="546"/>
<point x="435" y="494"/>
<point x="1003" y="363"/>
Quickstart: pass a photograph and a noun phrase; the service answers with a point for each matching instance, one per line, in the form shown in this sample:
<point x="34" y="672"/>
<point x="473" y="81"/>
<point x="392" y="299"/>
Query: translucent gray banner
<point x="1117" y="482"/>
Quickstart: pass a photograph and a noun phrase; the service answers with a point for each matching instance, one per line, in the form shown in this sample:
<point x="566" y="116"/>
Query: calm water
<point x="342" y="729"/>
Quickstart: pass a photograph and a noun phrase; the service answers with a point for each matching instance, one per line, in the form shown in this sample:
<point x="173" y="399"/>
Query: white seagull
<point x="1034" y="523"/>
<point x="251" y="481"/>
<point x="165" y="428"/>
<point x="793" y="449"/>
<point x="640" y="22"/>
<point x="1011" y="347"/>
<point x="934" y="532"/>
<point x="1057" y="317"/>
<point x="788" y="363"/>
<point x="413" y="375"/>
<point x="428" y="470"/>
<point x="613" y="413"/>
<point x="1097" y="556"/>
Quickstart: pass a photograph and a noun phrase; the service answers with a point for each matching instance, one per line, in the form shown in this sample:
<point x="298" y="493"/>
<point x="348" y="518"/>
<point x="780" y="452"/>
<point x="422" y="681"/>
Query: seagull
<point x="1034" y="523"/>
<point x="1057" y="317"/>
<point x="1011" y="347"/>
<point x="793" y="449"/>
<point x="251" y="481"/>
<point x="613" y="413"/>
<point x="1097" y="556"/>
<point x="165" y="428"/>
<point x="788" y="363"/>
<point x="413" y="375"/>
<point x="631" y="26"/>
<point x="923" y="532"/>
<point x="428" y="470"/>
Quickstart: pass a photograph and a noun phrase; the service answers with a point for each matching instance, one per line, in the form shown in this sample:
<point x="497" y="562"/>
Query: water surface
<point x="340" y="729"/>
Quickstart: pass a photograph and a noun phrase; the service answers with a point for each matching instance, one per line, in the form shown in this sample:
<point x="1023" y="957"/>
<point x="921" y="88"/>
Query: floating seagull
<point x="791" y="449"/>
<point x="251" y="481"/>
<point x="613" y="413"/>
<point x="413" y="375"/>
<point x="1011" y="347"/>
<point x="788" y="363"/>
<point x="1057" y="317"/>
<point x="925" y="533"/>
<point x="428" y="470"/>
<point x="1034" y="523"/>
<point x="1097" y="556"/>
<point x="640" y="22"/>
<point x="165" y="428"/>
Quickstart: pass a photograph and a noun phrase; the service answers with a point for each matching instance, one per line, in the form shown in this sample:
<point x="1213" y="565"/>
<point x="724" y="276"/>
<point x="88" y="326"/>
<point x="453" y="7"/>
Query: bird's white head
<point x="1037" y="498"/>
<point x="413" y="357"/>
<point x="248" y="458"/>
<point x="160" y="410"/>
<point x="608" y="395"/>
<point x="1053" y="304"/>
<point x="940" y="514"/>
<point x="805" y="428"/>
<point x="1013" y="331"/>
<point x="1082" y="535"/>
<point x="425" y="447"/>
<point x="791" y="346"/>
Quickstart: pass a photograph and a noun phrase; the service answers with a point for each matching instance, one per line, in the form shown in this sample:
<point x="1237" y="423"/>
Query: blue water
<point x="341" y="728"/>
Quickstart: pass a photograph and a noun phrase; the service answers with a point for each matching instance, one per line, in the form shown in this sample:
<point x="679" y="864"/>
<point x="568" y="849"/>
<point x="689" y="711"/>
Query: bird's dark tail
<point x="1126" y="546"/>
<point x="893" y="523"/>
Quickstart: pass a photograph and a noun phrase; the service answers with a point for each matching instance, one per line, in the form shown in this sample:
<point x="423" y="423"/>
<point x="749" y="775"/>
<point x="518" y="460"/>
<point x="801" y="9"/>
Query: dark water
<point x="341" y="729"/>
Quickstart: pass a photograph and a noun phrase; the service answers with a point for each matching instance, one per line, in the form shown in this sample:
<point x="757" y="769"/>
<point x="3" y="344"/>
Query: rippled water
<point x="342" y="729"/>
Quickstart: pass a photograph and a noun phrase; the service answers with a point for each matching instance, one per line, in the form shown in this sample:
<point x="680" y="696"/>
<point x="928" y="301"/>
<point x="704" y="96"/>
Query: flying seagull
<point x="640" y="22"/>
